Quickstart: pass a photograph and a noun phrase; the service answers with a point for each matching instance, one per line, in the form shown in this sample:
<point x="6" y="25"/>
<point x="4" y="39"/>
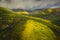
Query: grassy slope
<point x="49" y="17"/>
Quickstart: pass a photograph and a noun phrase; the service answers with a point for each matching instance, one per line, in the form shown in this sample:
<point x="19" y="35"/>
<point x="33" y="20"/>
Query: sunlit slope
<point x="23" y="12"/>
<point x="37" y="31"/>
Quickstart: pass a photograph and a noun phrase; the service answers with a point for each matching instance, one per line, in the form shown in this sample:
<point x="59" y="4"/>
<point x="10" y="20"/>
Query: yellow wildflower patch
<point x="35" y="30"/>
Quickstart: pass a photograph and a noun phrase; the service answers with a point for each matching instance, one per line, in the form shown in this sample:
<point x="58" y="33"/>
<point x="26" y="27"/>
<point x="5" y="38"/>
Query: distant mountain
<point x="19" y="9"/>
<point x="44" y="7"/>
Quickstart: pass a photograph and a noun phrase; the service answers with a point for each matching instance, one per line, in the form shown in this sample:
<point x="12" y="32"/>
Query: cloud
<point x="28" y="4"/>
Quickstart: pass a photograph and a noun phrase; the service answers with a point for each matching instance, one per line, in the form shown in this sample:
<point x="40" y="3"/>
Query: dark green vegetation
<point x="37" y="25"/>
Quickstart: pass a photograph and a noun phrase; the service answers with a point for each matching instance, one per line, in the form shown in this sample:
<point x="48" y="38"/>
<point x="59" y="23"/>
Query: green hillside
<point x="38" y="24"/>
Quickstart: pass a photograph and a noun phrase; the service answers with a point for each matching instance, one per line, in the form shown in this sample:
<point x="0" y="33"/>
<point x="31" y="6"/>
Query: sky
<point x="29" y="4"/>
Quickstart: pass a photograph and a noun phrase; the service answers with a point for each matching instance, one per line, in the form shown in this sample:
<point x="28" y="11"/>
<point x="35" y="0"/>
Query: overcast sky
<point x="28" y="4"/>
